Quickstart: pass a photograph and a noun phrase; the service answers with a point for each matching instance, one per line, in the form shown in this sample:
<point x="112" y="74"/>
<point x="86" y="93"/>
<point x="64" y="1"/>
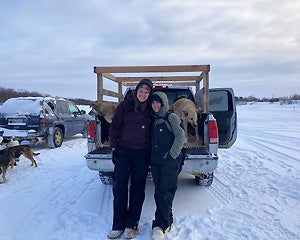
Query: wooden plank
<point x="164" y="83"/>
<point x="110" y="77"/>
<point x="104" y="101"/>
<point x="205" y="93"/>
<point x="160" y="78"/>
<point x="138" y="69"/>
<point x="120" y="92"/>
<point x="201" y="76"/>
<point x="107" y="92"/>
<point x="99" y="87"/>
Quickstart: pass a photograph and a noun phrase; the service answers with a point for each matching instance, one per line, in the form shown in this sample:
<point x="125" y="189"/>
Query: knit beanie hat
<point x="155" y="98"/>
<point x="145" y="83"/>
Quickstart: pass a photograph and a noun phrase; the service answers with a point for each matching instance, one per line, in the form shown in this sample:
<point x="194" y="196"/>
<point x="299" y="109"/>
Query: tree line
<point x="271" y="100"/>
<point x="6" y="93"/>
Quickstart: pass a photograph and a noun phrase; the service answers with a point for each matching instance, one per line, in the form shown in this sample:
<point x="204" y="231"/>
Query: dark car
<point x="35" y="119"/>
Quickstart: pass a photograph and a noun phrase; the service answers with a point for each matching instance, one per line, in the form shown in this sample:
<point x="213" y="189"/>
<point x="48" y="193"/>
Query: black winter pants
<point x="165" y="180"/>
<point x="133" y="164"/>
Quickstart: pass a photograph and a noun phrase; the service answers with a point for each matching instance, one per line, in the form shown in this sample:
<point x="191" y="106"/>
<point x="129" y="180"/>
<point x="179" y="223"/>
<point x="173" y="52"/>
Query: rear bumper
<point x="199" y="164"/>
<point x="194" y="164"/>
<point x="30" y="134"/>
<point x="101" y="163"/>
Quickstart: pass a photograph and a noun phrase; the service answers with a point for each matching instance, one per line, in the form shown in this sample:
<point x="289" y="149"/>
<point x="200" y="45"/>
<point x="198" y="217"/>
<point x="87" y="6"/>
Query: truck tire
<point x="106" y="178"/>
<point x="204" y="180"/>
<point x="55" y="139"/>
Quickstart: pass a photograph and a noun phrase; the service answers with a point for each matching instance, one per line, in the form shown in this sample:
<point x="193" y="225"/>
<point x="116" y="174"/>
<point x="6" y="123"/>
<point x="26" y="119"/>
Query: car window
<point x="73" y="108"/>
<point x="173" y="94"/>
<point x="27" y="106"/>
<point x="62" y="107"/>
<point x="218" y="101"/>
<point x="51" y="105"/>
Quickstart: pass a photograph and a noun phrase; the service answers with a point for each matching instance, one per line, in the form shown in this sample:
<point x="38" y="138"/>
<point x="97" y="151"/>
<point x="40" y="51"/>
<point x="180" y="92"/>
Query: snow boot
<point x="130" y="233"/>
<point x="114" y="234"/>
<point x="158" y="233"/>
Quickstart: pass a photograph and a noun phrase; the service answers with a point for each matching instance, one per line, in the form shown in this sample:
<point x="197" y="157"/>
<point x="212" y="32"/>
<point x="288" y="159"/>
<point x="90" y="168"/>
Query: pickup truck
<point x="217" y="118"/>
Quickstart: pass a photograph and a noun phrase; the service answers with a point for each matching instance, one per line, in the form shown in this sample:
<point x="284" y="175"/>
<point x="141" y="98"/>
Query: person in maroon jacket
<point x="130" y="135"/>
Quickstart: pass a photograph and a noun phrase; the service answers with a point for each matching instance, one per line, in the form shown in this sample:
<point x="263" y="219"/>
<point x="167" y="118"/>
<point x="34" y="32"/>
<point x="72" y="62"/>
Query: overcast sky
<point x="52" y="46"/>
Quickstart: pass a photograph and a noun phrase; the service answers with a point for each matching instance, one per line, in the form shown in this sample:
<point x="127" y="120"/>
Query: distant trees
<point x="80" y="101"/>
<point x="6" y="93"/>
<point x="264" y="99"/>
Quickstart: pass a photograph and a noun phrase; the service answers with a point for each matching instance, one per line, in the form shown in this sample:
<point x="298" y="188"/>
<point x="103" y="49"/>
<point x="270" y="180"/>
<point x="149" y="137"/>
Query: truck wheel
<point x="106" y="177"/>
<point x="55" y="139"/>
<point x="204" y="180"/>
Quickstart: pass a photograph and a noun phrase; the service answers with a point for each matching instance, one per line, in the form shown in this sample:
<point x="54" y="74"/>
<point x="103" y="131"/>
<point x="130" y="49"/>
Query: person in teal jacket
<point x="167" y="139"/>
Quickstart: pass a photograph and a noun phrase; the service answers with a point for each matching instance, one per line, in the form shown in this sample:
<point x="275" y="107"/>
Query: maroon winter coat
<point x="129" y="128"/>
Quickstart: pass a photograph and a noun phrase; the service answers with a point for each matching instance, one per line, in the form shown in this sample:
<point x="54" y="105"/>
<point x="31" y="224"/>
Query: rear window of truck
<point x="172" y="93"/>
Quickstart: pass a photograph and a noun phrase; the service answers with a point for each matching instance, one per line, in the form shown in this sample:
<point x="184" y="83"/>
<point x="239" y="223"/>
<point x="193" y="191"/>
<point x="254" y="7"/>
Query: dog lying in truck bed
<point x="8" y="155"/>
<point x="103" y="109"/>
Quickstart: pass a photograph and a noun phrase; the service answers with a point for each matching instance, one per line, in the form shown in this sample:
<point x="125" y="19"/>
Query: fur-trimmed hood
<point x="165" y="104"/>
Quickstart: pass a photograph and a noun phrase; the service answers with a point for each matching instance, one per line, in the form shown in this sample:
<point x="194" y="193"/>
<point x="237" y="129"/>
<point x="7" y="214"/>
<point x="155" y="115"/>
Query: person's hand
<point x="114" y="155"/>
<point x="168" y="155"/>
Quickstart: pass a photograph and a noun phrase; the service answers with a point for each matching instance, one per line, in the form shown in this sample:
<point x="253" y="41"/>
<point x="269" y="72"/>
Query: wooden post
<point x="120" y="91"/>
<point x="197" y="85"/>
<point x="205" y="92"/>
<point x="99" y="87"/>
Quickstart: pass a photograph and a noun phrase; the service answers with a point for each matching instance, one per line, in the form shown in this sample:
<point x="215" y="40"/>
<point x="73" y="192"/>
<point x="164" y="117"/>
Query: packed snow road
<point x="255" y="193"/>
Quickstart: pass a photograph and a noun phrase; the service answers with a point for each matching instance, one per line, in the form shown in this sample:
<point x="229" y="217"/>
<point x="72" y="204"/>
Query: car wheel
<point x="55" y="139"/>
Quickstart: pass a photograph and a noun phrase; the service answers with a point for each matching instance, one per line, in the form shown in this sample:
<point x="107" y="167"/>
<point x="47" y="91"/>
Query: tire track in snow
<point x="246" y="204"/>
<point x="106" y="203"/>
<point x="59" y="197"/>
<point x="221" y="191"/>
<point x="285" y="143"/>
<point x="266" y="151"/>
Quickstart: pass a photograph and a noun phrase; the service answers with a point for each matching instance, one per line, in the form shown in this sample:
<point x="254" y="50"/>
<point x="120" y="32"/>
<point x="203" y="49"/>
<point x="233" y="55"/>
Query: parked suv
<point x="36" y="119"/>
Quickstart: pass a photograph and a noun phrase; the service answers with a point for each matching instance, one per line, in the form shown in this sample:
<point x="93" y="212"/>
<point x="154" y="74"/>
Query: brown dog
<point x="8" y="155"/>
<point x="13" y="143"/>
<point x="5" y="158"/>
<point x="103" y="109"/>
<point x="187" y="111"/>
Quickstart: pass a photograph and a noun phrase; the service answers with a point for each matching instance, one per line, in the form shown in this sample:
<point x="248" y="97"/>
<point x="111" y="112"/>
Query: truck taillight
<point x="91" y="128"/>
<point x="213" y="132"/>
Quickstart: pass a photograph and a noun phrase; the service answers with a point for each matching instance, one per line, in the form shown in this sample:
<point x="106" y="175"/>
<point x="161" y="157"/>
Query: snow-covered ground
<point x="255" y="194"/>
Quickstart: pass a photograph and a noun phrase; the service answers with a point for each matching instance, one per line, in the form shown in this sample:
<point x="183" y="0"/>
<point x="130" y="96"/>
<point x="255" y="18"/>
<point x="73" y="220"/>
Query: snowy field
<point x="255" y="194"/>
